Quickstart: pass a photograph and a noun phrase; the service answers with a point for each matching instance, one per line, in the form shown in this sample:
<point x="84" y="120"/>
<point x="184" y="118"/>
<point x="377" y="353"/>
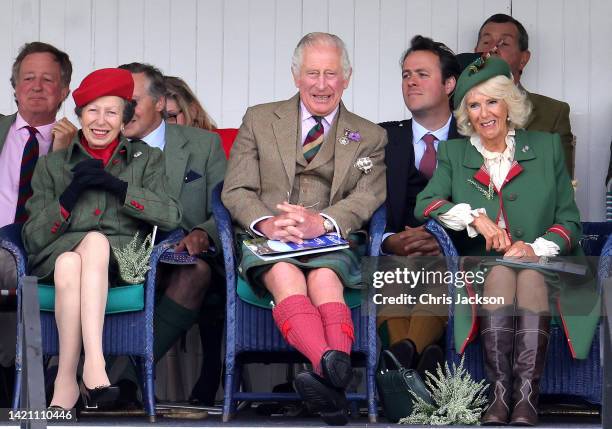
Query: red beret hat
<point x="103" y="82"/>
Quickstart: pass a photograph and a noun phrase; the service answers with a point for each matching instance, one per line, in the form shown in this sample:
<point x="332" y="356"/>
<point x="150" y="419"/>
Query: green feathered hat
<point x="477" y="72"/>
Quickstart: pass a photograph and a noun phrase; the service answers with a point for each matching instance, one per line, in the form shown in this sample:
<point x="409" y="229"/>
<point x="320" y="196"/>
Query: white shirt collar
<point x="306" y="115"/>
<point x="157" y="137"/>
<point x="507" y="154"/>
<point x="418" y="131"/>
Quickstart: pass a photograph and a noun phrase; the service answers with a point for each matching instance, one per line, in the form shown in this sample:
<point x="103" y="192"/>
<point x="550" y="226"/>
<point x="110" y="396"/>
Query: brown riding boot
<point x="497" y="338"/>
<point x="531" y="342"/>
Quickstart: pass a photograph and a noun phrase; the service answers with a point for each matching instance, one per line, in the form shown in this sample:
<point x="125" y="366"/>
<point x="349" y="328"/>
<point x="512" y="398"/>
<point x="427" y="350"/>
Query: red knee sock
<point x="338" y="325"/>
<point x="301" y="326"/>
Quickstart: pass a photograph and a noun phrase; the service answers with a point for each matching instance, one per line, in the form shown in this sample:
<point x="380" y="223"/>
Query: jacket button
<point x="512" y="196"/>
<point x="518" y="232"/>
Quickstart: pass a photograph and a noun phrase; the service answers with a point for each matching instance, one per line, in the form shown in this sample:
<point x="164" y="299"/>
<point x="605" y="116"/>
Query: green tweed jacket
<point x="195" y="163"/>
<point x="5" y="125"/>
<point x="536" y="200"/>
<point x="46" y="234"/>
<point x="552" y="116"/>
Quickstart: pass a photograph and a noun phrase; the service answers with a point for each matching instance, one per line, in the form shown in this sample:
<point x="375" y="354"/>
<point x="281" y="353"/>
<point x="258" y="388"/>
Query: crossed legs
<point x="81" y="288"/>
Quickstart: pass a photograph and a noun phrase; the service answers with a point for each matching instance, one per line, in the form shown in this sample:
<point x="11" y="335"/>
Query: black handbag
<point x="394" y="383"/>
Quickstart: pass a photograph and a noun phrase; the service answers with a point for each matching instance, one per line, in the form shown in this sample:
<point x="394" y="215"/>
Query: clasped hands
<point x="497" y="239"/>
<point x="294" y="224"/>
<point x="90" y="173"/>
<point x="411" y="242"/>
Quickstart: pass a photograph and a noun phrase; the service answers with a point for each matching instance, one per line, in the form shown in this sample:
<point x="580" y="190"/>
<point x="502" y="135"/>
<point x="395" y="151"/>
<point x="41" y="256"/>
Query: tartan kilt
<point x="346" y="263"/>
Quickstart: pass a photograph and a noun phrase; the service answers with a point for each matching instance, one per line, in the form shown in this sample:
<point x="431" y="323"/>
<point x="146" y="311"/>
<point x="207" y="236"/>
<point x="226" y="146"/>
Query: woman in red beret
<point x="88" y="199"/>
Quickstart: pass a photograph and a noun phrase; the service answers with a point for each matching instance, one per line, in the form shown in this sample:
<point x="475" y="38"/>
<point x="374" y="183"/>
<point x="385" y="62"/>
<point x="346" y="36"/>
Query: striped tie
<point x="28" y="162"/>
<point x="314" y="139"/>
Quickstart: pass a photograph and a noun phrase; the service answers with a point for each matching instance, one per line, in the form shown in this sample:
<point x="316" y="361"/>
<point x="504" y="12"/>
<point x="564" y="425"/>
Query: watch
<point x="328" y="226"/>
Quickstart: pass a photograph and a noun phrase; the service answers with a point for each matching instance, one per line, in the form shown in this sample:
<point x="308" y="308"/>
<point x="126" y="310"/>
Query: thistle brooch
<point x="488" y="193"/>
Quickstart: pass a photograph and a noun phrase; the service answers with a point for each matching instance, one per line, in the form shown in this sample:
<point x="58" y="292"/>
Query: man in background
<point x="507" y="37"/>
<point x="429" y="75"/>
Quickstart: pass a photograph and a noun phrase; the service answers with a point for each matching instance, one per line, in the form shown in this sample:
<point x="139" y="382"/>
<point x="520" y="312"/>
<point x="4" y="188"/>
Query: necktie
<point x="28" y="162"/>
<point x="428" y="162"/>
<point x="314" y="139"/>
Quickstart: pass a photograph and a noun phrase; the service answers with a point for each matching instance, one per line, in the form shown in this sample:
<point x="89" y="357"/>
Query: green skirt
<point x="573" y="298"/>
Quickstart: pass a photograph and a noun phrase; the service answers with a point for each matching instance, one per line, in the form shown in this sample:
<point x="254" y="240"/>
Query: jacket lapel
<point x="286" y="131"/>
<point x="5" y="126"/>
<point x="344" y="155"/>
<point x="176" y="158"/>
<point x="399" y="159"/>
<point x="522" y="152"/>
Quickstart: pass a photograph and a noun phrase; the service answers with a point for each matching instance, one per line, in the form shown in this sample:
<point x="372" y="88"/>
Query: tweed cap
<point x="478" y="72"/>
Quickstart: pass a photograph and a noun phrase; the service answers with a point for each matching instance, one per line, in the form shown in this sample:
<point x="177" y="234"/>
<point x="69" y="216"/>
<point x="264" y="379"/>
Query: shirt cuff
<point x="543" y="247"/>
<point x="460" y="216"/>
<point x="252" y="226"/>
<point x="384" y="237"/>
<point x="336" y="227"/>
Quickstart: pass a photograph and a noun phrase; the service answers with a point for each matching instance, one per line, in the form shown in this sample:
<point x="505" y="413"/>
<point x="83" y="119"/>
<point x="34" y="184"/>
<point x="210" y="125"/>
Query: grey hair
<point x="315" y="39"/>
<point x="500" y="88"/>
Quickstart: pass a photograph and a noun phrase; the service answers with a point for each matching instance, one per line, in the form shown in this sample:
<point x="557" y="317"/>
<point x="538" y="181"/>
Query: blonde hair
<point x="195" y="115"/>
<point x="500" y="88"/>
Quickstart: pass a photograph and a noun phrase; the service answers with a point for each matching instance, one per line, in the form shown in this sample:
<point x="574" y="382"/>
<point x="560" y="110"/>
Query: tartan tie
<point x="28" y="162"/>
<point x="314" y="139"/>
<point x="428" y="162"/>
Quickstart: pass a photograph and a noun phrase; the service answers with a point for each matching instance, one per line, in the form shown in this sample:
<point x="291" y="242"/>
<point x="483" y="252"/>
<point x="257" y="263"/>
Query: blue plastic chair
<point x="563" y="375"/>
<point x="129" y="333"/>
<point x="251" y="329"/>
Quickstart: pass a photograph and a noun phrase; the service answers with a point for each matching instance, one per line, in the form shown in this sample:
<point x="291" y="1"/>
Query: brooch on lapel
<point x="364" y="164"/>
<point x="137" y="154"/>
<point x="349" y="136"/>
<point x="525" y="149"/>
<point x="488" y="193"/>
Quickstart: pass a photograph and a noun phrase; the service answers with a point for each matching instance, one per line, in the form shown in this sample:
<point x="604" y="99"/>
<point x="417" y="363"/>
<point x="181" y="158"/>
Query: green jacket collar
<point x="124" y="148"/>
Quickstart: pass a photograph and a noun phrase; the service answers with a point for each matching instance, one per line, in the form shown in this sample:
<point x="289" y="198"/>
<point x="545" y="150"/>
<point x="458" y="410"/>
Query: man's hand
<point x="301" y="222"/>
<point x="195" y="242"/>
<point x="521" y="250"/>
<point x="495" y="237"/>
<point x="294" y="224"/>
<point x="274" y="228"/>
<point x="411" y="242"/>
<point x="63" y="132"/>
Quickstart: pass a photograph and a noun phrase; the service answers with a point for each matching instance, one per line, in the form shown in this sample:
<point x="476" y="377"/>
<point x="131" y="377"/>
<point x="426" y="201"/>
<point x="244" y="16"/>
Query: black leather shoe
<point x="100" y="398"/>
<point x="429" y="359"/>
<point x="320" y="397"/>
<point x="405" y="351"/>
<point x="337" y="369"/>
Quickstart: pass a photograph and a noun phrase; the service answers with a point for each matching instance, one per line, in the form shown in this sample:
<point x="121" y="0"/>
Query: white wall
<point x="236" y="53"/>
